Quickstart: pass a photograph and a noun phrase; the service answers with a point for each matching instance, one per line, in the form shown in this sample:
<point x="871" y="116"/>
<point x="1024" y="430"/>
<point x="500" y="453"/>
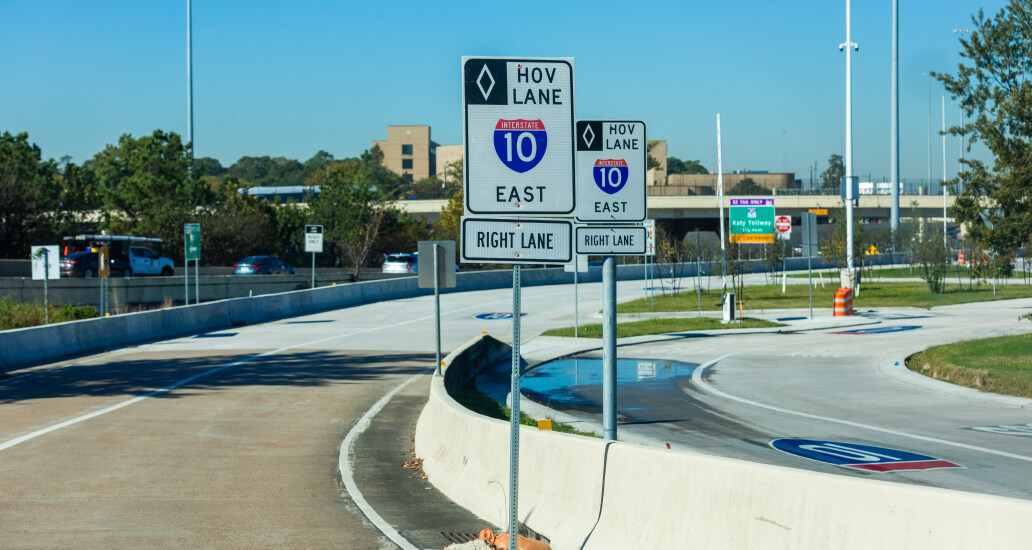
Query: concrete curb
<point x="897" y="370"/>
<point x="586" y="493"/>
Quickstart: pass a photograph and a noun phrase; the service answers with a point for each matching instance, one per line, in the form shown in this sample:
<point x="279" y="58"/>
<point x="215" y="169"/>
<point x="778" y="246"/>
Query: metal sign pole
<point x="437" y="302"/>
<point x="186" y="271"/>
<point x="197" y="281"/>
<point x="514" y="417"/>
<point x="698" y="268"/>
<point x="609" y="348"/>
<point x="313" y="271"/>
<point x="576" y="302"/>
<point x="46" y="277"/>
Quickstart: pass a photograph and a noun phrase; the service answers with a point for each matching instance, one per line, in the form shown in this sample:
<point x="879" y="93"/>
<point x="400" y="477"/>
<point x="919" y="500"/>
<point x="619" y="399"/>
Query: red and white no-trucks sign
<point x="783" y="224"/>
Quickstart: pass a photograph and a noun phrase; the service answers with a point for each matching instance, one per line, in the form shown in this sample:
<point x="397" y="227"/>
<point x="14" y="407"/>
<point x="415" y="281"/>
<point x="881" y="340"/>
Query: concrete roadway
<point x="231" y="439"/>
<point x="762" y="385"/>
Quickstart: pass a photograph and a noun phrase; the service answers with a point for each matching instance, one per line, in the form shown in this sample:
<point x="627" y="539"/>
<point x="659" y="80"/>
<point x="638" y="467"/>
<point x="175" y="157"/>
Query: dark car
<point x="84" y="264"/>
<point x="261" y="265"/>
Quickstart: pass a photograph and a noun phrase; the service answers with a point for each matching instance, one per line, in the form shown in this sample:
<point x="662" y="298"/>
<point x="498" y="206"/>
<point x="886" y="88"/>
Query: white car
<point x="145" y="261"/>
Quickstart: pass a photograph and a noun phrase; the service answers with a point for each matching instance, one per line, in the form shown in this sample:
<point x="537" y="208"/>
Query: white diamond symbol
<point x="589" y="136"/>
<point x="480" y="83"/>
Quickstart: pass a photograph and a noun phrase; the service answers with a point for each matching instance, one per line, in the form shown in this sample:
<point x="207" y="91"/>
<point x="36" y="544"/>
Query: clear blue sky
<point x="291" y="78"/>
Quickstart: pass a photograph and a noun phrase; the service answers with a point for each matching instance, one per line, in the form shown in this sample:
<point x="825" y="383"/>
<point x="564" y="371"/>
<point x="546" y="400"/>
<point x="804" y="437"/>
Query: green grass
<point x="907" y="272"/>
<point x="998" y="365"/>
<point x="21" y="315"/>
<point x="872" y="294"/>
<point x="660" y="326"/>
<point x="478" y="402"/>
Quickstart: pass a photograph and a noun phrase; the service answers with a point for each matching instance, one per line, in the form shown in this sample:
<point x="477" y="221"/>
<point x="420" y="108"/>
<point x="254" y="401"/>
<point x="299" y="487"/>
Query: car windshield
<point x="405" y="258"/>
<point x="252" y="259"/>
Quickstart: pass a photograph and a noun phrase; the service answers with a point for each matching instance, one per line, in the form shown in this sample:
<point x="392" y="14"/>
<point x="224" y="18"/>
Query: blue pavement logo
<point x="860" y="457"/>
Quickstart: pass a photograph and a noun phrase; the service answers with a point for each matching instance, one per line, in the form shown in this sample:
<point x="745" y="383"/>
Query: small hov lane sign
<point x="518" y="135"/>
<point x="597" y="240"/>
<point x="516" y="241"/>
<point x="313" y="238"/>
<point x="860" y="457"/>
<point x="611" y="168"/>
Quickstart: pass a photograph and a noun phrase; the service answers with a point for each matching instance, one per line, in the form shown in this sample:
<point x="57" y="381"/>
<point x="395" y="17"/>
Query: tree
<point x="207" y="166"/>
<point x="932" y="254"/>
<point x="236" y="225"/>
<point x="748" y="186"/>
<point x="993" y="86"/>
<point x="678" y="166"/>
<point x="29" y="194"/>
<point x="831" y="179"/>
<point x="833" y="249"/>
<point x="651" y="162"/>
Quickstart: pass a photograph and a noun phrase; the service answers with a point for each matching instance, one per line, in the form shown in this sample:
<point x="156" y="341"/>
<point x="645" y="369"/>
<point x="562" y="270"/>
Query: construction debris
<point x="501" y="542"/>
<point x="471" y="545"/>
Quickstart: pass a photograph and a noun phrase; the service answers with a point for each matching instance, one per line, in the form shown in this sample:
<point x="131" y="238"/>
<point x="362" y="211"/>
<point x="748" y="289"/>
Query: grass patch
<point x="661" y="326"/>
<point x="999" y="365"/>
<point x="908" y="272"/>
<point x="478" y="402"/>
<point x="21" y="315"/>
<point x="872" y="294"/>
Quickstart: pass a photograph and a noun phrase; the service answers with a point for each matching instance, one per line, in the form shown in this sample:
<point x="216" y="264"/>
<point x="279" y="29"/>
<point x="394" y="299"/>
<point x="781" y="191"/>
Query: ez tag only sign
<point x="518" y="135"/>
<point x="611" y="168"/>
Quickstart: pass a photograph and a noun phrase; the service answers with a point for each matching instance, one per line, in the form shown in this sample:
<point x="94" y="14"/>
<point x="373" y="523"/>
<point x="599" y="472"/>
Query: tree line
<point x="151" y="186"/>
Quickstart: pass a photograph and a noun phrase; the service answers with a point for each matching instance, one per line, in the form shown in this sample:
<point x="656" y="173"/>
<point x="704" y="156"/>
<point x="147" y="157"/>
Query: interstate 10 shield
<point x="518" y="136"/>
<point x="611" y="170"/>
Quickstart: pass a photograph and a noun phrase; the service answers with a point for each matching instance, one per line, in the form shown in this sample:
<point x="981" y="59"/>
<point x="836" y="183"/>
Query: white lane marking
<point x="697" y="379"/>
<point x="347" y="473"/>
<point x="43" y="431"/>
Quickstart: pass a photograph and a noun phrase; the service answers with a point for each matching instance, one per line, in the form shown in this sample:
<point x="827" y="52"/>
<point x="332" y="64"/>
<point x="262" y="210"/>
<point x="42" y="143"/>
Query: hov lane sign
<point x="860" y="457"/>
<point x="617" y="240"/>
<point x="518" y="135"/>
<point x="516" y="241"/>
<point x="611" y="168"/>
<point x="313" y="238"/>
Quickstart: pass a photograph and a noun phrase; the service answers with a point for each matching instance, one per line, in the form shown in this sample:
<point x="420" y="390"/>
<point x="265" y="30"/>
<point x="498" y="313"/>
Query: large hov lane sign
<point x="516" y="241"/>
<point x="611" y="168"/>
<point x="518" y="135"/>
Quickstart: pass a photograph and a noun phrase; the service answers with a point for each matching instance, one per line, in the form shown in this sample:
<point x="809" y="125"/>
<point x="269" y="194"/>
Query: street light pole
<point x="945" y="190"/>
<point x="894" y="212"/>
<point x="189" y="79"/>
<point x="849" y="46"/>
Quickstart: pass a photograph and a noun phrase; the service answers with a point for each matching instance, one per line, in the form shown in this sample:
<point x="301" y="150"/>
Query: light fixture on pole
<point x="849" y="46"/>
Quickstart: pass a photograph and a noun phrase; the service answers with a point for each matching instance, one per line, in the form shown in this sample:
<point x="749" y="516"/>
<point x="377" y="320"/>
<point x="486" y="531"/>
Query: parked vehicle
<point x="125" y="248"/>
<point x="261" y="265"/>
<point x="401" y="263"/>
<point x="84" y="264"/>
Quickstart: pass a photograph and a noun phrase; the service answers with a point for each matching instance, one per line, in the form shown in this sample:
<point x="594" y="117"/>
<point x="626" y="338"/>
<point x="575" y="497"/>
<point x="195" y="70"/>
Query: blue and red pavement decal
<point x="860" y="457"/>
<point x="495" y="316"/>
<point x="879" y="330"/>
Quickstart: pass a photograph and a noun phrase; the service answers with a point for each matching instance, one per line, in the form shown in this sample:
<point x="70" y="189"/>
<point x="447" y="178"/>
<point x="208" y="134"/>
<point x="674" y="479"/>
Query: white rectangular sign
<point x="517" y="120"/>
<point x="611" y="167"/>
<point x="512" y="241"/>
<point x="580" y="265"/>
<point x="313" y="238"/>
<point x="46" y="267"/>
<point x="650" y="237"/>
<point x="599" y="240"/>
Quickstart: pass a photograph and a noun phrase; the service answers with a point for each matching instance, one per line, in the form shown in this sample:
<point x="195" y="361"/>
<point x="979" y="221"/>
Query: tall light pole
<point x="945" y="190"/>
<point x="189" y="80"/>
<point x="849" y="46"/>
<point x="928" y="173"/>
<point x="894" y="146"/>
<point x="960" y="107"/>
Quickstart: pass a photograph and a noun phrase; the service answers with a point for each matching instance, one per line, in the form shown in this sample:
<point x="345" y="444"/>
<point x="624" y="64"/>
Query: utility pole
<point x="945" y="190"/>
<point x="894" y="147"/>
<point x="189" y="81"/>
<point x="849" y="46"/>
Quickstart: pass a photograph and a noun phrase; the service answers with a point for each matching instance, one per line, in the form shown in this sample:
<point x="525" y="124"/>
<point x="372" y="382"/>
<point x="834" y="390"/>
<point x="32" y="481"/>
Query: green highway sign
<point x="192" y="232"/>
<point x="752" y="220"/>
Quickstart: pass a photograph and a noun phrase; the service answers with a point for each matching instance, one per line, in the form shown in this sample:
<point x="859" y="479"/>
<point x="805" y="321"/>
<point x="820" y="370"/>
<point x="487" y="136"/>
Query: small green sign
<point x="752" y="220"/>
<point x="193" y="241"/>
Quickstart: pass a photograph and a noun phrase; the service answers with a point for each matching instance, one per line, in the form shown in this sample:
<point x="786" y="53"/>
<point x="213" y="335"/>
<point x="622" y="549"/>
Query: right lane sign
<point x="518" y="135"/>
<point x="616" y="240"/>
<point x="512" y="241"/>
<point x="611" y="168"/>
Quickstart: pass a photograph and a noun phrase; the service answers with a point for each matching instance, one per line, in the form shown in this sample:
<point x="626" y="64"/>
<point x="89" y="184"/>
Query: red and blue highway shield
<point x="520" y="144"/>
<point x="610" y="174"/>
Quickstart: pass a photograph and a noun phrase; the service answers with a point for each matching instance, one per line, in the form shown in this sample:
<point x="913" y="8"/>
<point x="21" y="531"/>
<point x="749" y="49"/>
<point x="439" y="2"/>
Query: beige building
<point x="409" y="151"/>
<point x="447" y="154"/>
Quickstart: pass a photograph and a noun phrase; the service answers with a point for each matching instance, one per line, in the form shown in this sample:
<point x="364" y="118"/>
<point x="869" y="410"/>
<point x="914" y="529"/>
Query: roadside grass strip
<point x="482" y="404"/>
<point x="999" y="365"/>
<point x="661" y="326"/>
<point x="872" y="294"/>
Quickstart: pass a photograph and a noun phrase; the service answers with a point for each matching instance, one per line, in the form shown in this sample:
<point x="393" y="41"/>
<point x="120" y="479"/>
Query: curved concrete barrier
<point x="588" y="493"/>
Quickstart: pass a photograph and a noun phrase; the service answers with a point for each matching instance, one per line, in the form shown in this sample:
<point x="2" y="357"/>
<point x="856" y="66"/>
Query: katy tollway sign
<point x="611" y="168"/>
<point x="518" y="123"/>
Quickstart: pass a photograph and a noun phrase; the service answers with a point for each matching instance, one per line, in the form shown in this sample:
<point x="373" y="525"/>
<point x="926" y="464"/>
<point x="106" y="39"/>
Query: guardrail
<point x="586" y="493"/>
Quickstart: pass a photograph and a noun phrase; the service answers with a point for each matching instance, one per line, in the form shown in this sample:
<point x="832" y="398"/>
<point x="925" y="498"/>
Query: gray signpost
<point x="192" y="251"/>
<point x="442" y="275"/>
<point x="45" y="266"/>
<point x="810" y="249"/>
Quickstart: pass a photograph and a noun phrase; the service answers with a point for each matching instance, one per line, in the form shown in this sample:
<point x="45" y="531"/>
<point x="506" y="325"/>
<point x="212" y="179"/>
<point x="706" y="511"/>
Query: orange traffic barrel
<point x="843" y="302"/>
<point x="960" y="257"/>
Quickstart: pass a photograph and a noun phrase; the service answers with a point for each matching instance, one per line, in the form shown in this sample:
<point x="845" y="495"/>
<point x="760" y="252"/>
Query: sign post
<point x="810" y="249"/>
<point x="783" y="226"/>
<point x="45" y="266"/>
<point x="192" y="244"/>
<point x="650" y="253"/>
<point x="313" y="244"/>
<point x="580" y="264"/>
<point x="442" y="275"/>
<point x="103" y="272"/>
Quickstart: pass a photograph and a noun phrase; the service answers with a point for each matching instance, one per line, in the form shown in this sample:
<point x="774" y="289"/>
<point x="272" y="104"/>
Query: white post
<point x="945" y="190"/>
<point x="849" y="46"/>
<point x="189" y="79"/>
<point x="894" y="147"/>
<point x="720" y="207"/>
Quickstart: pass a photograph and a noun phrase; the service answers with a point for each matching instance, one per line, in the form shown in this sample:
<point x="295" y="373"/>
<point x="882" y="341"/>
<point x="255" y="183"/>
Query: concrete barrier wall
<point x="587" y="493"/>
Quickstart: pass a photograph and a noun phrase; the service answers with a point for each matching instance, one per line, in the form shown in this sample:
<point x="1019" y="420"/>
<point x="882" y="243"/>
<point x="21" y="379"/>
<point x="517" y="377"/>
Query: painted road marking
<point x="496" y="316"/>
<point x="860" y="457"/>
<point x="1007" y="429"/>
<point x="879" y="330"/>
<point x="705" y="386"/>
